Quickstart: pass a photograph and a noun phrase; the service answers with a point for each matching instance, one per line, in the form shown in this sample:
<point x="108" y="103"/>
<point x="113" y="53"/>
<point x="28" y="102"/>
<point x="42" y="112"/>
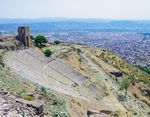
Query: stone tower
<point x="24" y="36"/>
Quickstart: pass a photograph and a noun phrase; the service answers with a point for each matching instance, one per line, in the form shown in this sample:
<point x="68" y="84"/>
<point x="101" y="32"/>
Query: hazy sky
<point x="112" y="9"/>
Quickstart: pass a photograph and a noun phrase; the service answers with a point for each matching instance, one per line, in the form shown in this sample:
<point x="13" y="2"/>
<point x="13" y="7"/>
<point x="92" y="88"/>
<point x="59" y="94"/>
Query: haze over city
<point x="105" y="9"/>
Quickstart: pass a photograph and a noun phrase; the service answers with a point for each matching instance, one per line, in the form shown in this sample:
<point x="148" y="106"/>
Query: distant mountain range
<point x="68" y="24"/>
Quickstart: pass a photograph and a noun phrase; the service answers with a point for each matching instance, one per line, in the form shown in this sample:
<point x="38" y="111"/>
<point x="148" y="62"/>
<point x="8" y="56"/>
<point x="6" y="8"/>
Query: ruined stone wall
<point x="24" y="36"/>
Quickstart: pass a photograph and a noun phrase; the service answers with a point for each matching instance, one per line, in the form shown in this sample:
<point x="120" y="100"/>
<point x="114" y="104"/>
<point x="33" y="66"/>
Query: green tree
<point x="125" y="85"/>
<point x="56" y="42"/>
<point x="48" y="52"/>
<point x="40" y="40"/>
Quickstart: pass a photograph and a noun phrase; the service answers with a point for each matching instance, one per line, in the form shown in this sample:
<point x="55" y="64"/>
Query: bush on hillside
<point x="143" y="68"/>
<point x="125" y="85"/>
<point x="48" y="52"/>
<point x="56" y="42"/>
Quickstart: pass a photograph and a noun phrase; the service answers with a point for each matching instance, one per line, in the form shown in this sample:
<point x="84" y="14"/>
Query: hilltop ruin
<point x="24" y="36"/>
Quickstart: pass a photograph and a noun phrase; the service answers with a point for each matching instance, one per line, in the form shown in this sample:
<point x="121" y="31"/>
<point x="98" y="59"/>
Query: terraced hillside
<point x="20" y="97"/>
<point x="80" y="77"/>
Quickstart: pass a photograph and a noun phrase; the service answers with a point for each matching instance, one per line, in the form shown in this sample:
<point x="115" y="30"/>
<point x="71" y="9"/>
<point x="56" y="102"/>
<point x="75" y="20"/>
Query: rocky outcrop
<point x="9" y="42"/>
<point x="39" y="109"/>
<point x="117" y="74"/>
<point x="10" y="106"/>
<point x="102" y="113"/>
<point x="1" y="60"/>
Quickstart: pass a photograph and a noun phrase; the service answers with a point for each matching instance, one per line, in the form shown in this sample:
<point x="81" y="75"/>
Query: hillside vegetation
<point x="144" y="68"/>
<point x="133" y="72"/>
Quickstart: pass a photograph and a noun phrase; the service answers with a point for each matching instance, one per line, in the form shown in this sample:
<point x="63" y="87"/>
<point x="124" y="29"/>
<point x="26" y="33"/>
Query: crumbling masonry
<point x="24" y="36"/>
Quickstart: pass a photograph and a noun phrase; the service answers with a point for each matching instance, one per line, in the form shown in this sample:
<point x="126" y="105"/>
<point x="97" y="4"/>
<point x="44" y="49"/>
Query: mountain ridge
<point x="66" y="24"/>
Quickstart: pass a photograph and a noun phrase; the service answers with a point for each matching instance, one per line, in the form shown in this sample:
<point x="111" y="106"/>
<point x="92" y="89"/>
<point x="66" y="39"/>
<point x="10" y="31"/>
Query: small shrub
<point x="56" y="42"/>
<point x="124" y="85"/>
<point x="48" y="52"/>
<point x="28" y="97"/>
<point x="40" y="46"/>
<point x="135" y="95"/>
<point x="59" y="112"/>
<point x="20" y="93"/>
<point x="43" y="91"/>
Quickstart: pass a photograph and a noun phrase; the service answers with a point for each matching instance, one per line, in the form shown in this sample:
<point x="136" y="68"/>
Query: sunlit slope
<point x="83" y="77"/>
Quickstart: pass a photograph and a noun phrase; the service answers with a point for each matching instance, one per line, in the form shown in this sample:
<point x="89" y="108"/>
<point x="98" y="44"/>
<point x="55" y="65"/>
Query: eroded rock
<point x="10" y="107"/>
<point x="117" y="74"/>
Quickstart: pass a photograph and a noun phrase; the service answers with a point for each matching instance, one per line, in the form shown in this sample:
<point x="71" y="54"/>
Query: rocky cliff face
<point x="10" y="42"/>
<point x="12" y="106"/>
